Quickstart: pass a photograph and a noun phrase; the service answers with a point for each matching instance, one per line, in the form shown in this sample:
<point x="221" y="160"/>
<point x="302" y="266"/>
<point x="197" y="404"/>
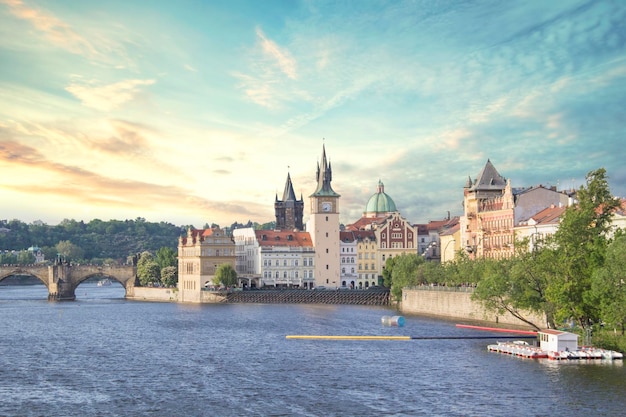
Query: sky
<point x="194" y="112"/>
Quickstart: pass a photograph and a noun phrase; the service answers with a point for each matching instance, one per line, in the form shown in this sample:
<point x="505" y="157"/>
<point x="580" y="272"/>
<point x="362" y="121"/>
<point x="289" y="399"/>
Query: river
<point x="102" y="355"/>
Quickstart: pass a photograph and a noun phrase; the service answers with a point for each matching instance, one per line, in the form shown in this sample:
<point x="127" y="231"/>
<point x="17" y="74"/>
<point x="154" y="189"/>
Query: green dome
<point x="380" y="202"/>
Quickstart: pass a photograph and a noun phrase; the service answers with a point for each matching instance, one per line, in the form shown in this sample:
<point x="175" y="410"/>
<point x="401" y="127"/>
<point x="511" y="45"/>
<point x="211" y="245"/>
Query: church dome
<point x="380" y="202"/>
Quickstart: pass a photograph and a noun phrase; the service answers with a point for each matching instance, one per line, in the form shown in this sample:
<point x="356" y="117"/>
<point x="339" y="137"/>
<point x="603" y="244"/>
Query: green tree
<point x="518" y="285"/>
<point x="8" y="258"/>
<point x="225" y="275"/>
<point x="430" y="273"/>
<point x="404" y="273"/>
<point x="69" y="251"/>
<point x="388" y="272"/>
<point x="148" y="270"/>
<point x="165" y="257"/>
<point x="25" y="257"/>
<point x="169" y="276"/>
<point x="581" y="242"/>
<point x="609" y="285"/>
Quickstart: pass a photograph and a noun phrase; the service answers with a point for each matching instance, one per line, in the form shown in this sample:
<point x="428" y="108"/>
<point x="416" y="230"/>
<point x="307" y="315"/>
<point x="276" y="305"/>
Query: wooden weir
<point x="288" y="296"/>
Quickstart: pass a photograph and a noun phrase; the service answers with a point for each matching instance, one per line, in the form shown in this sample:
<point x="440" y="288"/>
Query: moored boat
<point x="104" y="282"/>
<point x="555" y="345"/>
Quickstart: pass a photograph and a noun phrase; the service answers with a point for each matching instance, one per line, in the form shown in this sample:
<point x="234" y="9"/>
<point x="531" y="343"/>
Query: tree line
<point x="96" y="241"/>
<point x="576" y="276"/>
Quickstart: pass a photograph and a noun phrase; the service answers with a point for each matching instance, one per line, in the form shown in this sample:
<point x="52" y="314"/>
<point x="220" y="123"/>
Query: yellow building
<point x="200" y="253"/>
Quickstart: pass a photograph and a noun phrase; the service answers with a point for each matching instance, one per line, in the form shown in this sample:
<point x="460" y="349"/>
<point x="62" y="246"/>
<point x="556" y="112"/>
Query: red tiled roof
<point x="549" y="215"/>
<point x="352" y="235"/>
<point x="450" y="230"/>
<point x="283" y="238"/>
<point x="365" y="222"/>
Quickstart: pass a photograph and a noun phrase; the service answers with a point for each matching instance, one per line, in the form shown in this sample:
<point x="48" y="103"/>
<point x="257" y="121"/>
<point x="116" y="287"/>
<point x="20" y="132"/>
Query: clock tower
<point x="323" y="227"/>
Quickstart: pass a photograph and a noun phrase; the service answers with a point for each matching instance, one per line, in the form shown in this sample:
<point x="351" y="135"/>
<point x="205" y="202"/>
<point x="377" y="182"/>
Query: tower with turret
<point x="323" y="226"/>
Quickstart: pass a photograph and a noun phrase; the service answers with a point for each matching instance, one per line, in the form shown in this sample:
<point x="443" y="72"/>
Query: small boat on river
<point x="555" y="345"/>
<point x="104" y="282"/>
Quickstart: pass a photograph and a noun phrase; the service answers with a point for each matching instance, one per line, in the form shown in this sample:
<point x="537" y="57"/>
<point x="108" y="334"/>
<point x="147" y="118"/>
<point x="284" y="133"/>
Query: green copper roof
<point x="380" y="202"/>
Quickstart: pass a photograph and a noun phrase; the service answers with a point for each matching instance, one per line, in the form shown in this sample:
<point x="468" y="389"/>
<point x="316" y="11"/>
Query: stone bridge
<point x="62" y="279"/>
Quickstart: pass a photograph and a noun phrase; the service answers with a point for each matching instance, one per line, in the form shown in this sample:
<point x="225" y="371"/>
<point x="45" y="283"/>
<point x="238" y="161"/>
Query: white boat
<point x="104" y="282"/>
<point x="556" y="345"/>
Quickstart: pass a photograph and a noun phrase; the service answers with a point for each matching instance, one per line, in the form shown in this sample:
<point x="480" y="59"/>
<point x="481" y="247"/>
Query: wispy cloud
<point x="280" y="56"/>
<point x="272" y="66"/>
<point x="59" y="33"/>
<point x="107" y="97"/>
<point x="86" y="187"/>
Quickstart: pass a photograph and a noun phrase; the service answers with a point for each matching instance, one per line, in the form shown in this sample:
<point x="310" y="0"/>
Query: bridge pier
<point x="60" y="285"/>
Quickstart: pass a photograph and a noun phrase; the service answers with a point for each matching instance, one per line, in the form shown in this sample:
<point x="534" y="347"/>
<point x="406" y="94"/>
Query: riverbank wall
<point x="457" y="303"/>
<point x="441" y="302"/>
<point x="153" y="294"/>
<point x="173" y="295"/>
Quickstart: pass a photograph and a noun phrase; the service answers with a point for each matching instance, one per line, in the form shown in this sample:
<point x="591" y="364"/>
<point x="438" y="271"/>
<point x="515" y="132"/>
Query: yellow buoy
<point x="321" y="337"/>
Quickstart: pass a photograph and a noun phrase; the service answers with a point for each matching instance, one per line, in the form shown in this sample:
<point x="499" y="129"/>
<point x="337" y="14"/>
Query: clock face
<point x="326" y="206"/>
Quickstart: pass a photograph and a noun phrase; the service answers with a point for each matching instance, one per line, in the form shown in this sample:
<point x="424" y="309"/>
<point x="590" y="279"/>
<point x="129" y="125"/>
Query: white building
<point x="539" y="226"/>
<point x="274" y="258"/>
<point x="556" y="340"/>
<point x="349" y="275"/>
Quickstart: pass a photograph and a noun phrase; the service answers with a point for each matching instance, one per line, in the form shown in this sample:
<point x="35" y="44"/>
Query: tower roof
<point x="380" y="202"/>
<point x="489" y="179"/>
<point x="324" y="176"/>
<point x="288" y="193"/>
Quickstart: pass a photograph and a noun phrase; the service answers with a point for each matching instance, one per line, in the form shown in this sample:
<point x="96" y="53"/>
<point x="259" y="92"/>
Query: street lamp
<point x="445" y="251"/>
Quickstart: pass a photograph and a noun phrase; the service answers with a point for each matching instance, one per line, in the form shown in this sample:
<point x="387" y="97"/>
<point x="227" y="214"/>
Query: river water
<point x="102" y="355"/>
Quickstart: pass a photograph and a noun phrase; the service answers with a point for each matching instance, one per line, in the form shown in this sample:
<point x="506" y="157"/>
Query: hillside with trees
<point x="96" y="241"/>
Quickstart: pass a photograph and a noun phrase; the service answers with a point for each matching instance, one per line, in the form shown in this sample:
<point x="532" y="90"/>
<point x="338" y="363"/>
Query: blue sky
<point x="195" y="111"/>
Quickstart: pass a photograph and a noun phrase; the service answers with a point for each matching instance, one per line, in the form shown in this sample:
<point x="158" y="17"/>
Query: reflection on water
<point x="104" y="355"/>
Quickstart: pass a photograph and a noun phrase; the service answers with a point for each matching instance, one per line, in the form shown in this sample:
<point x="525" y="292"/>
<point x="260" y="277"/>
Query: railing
<point x="462" y="288"/>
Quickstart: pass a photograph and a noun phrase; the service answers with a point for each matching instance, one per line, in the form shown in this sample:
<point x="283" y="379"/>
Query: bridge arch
<point x="41" y="273"/>
<point x="62" y="279"/>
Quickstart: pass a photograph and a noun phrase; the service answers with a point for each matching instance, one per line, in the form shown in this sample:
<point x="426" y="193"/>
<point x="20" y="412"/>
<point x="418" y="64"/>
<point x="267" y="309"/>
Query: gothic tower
<point x="323" y="226"/>
<point x="289" y="211"/>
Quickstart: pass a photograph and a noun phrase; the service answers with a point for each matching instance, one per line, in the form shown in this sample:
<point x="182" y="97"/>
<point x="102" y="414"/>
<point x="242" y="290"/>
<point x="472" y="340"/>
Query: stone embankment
<point x="456" y="303"/>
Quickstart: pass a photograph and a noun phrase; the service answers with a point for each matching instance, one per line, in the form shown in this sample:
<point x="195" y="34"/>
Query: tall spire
<point x="324" y="176"/>
<point x="289" y="194"/>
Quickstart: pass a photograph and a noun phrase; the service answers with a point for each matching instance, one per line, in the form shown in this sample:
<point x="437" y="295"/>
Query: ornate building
<point x="487" y="223"/>
<point x="392" y="235"/>
<point x="289" y="211"/>
<point x="200" y="253"/>
<point x="493" y="209"/>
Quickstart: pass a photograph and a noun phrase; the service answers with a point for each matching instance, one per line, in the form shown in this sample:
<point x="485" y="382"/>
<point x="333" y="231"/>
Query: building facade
<point x="382" y="234"/>
<point x="200" y="253"/>
<point x="493" y="209"/>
